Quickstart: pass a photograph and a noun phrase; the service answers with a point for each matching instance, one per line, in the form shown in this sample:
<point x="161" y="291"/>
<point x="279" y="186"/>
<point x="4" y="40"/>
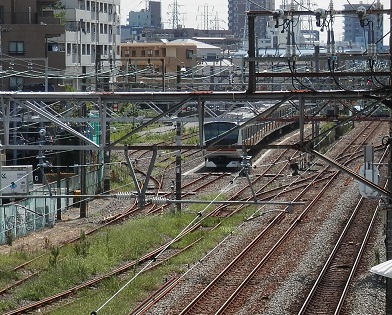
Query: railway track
<point x="228" y="287"/>
<point x="198" y="183"/>
<point x="328" y="293"/>
<point x="150" y="257"/>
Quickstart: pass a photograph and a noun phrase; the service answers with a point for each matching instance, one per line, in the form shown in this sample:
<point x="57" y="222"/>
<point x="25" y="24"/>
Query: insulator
<point x="321" y="13"/>
<point x="328" y="49"/>
<point x="333" y="49"/>
<point x="372" y="49"/>
<point x="288" y="50"/>
<point x="361" y="10"/>
<point x="279" y="13"/>
<point x="245" y="163"/>
<point x="331" y="6"/>
<point x="158" y="200"/>
<point x="125" y="195"/>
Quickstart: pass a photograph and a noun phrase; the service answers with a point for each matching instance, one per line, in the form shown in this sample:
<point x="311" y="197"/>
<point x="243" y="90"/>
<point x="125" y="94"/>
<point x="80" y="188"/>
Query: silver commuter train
<point x="247" y="135"/>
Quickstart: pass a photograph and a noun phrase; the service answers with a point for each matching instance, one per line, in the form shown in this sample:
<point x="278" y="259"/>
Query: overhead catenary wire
<point x="19" y="179"/>
<point x="108" y="73"/>
<point x="198" y="217"/>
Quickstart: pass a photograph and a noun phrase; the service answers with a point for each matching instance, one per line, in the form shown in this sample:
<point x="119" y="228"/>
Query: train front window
<point x="214" y="130"/>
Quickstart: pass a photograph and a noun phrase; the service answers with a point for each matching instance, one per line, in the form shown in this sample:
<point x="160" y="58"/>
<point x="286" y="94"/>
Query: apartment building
<point x="359" y="33"/>
<point x="156" y="64"/>
<point x="91" y="43"/>
<point x="237" y="22"/>
<point x="71" y="43"/>
<point x="29" y="58"/>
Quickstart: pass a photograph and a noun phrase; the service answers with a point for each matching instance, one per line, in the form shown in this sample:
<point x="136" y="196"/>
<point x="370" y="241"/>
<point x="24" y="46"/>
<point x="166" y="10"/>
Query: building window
<point x="189" y="53"/>
<point x="133" y="53"/>
<point x="16" y="48"/>
<point x="82" y="5"/>
<point x="149" y="53"/>
<point x="163" y="52"/>
<point x="157" y="53"/>
<point x="16" y="83"/>
<point x="53" y="47"/>
<point x="126" y="53"/>
<point x="82" y="26"/>
<point x="143" y="53"/>
<point x="1" y="14"/>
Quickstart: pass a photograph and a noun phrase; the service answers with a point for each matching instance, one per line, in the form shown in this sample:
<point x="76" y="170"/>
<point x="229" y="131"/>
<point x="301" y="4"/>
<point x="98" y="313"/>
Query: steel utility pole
<point x="83" y="170"/>
<point x="178" y="164"/>
<point x="388" y="240"/>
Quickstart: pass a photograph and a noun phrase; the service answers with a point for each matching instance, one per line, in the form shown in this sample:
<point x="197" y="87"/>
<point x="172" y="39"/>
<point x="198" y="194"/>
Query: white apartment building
<point x="91" y="42"/>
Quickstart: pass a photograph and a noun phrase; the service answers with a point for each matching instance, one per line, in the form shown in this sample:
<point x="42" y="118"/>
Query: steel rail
<point x="299" y="218"/>
<point x="266" y="257"/>
<point x="335" y="251"/>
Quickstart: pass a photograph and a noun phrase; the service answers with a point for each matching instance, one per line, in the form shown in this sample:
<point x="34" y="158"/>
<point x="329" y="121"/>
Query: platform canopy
<point x="383" y="269"/>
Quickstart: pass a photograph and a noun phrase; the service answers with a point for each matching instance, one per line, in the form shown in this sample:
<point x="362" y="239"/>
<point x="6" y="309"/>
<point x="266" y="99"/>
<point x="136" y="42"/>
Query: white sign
<point x="16" y="180"/>
<point x="371" y="174"/>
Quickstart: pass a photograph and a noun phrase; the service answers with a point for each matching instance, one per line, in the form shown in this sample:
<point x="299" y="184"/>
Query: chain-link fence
<point x="24" y="216"/>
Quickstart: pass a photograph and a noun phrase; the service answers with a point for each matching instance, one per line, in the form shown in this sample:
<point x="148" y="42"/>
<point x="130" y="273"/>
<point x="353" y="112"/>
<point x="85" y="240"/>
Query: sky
<point x="198" y="14"/>
<point x="190" y="13"/>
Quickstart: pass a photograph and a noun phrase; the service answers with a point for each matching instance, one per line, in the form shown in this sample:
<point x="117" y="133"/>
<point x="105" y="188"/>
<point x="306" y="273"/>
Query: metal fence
<point x="24" y="216"/>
